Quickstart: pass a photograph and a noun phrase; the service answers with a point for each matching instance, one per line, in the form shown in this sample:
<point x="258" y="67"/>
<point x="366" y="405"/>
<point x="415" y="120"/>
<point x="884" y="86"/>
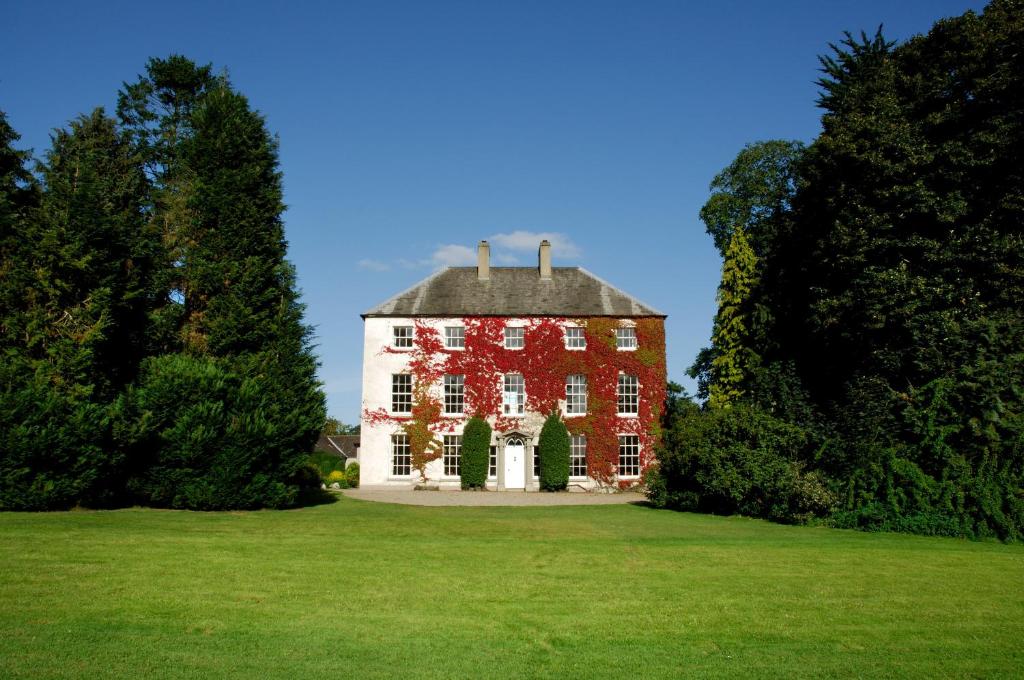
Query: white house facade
<point x="510" y="344"/>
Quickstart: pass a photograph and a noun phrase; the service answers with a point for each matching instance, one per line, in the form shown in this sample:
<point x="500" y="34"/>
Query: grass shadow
<point x="309" y="498"/>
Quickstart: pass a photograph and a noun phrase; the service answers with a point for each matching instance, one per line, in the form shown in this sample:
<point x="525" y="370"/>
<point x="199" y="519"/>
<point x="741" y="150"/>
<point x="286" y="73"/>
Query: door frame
<point x="526" y="440"/>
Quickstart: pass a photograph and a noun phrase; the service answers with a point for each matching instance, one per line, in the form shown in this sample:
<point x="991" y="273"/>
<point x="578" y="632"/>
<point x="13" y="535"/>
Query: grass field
<point x="364" y="590"/>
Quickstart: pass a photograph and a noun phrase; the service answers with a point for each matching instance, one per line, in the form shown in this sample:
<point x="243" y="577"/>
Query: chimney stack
<point x="483" y="261"/>
<point x="544" y="257"/>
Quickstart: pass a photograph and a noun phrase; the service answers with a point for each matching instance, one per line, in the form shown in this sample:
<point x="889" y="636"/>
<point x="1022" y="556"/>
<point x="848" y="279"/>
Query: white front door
<point x="515" y="464"/>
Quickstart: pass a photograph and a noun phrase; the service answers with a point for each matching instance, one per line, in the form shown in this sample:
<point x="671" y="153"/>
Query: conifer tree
<point x="734" y="359"/>
<point x="234" y="315"/>
<point x="73" y="334"/>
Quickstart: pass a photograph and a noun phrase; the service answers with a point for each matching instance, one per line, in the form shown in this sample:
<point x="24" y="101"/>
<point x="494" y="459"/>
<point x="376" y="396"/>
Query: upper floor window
<point x="574" y="338"/>
<point x="514" y="337"/>
<point x="451" y="453"/>
<point x="629" y="455"/>
<point x="513" y="395"/>
<point x="578" y="456"/>
<point x="455" y="337"/>
<point x="401" y="393"/>
<point x="575" y="394"/>
<point x="454" y="393"/>
<point x="401" y="337"/>
<point x="628" y="395"/>
<point x="625" y="338"/>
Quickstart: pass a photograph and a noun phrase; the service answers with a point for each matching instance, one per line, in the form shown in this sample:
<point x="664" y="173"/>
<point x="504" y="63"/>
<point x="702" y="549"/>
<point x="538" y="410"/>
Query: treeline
<point x="153" y="346"/>
<point x="867" y="360"/>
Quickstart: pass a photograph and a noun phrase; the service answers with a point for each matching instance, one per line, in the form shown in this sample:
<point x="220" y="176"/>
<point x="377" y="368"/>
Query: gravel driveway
<point x="491" y="498"/>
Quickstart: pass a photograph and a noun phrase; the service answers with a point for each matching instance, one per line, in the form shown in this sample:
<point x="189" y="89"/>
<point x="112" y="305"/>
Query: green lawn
<point x="357" y="589"/>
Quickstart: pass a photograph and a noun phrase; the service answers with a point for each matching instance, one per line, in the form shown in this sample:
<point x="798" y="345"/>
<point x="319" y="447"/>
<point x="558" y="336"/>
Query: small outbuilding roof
<point x="513" y="291"/>
<point x="343" y="445"/>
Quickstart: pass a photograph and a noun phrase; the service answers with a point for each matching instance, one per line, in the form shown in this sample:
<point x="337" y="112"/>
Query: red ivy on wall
<point x="544" y="364"/>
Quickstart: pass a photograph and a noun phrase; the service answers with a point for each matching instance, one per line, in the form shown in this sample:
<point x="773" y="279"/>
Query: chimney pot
<point x="544" y="260"/>
<point x="483" y="261"/>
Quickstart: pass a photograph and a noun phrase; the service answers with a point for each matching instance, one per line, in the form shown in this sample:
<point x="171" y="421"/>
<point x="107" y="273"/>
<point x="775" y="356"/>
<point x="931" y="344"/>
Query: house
<point x="345" y="446"/>
<point x="511" y="344"/>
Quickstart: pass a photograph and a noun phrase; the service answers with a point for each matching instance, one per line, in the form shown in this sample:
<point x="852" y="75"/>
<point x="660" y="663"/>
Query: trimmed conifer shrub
<point x="476" y="443"/>
<point x="554" y="454"/>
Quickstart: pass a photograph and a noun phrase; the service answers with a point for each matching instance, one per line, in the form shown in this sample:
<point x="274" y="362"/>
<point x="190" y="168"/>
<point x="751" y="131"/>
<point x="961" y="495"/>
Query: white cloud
<point x="373" y="265"/>
<point x="506" y="259"/>
<point x="528" y="241"/>
<point x="452" y="255"/>
<point x="457" y="255"/>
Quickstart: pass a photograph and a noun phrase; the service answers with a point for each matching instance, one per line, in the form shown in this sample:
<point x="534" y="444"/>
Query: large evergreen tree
<point x="73" y="332"/>
<point x="734" y="357"/>
<point x="237" y="312"/>
<point x="892" y="279"/>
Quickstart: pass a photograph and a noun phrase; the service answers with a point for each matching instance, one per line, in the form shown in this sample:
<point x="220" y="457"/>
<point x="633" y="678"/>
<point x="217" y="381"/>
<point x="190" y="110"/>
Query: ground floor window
<point x="492" y="466"/>
<point x="629" y="455"/>
<point x="451" y="453"/>
<point x="578" y="456"/>
<point x="401" y="457"/>
<point x="536" y="462"/>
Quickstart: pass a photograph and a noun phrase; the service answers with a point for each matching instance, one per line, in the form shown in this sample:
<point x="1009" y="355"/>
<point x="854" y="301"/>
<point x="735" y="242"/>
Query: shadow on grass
<point x="309" y="498"/>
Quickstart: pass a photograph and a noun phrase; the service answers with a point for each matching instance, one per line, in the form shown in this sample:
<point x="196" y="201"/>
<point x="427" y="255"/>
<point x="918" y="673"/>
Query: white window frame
<point x="575" y="344"/>
<point x="517" y="339"/>
<point x="451" y="455"/>
<point x="577" y="452"/>
<point x="400" y="443"/>
<point x="576" y="394"/>
<point x="453" y="339"/>
<point x="401" y="396"/>
<point x="399" y="339"/>
<point x="630" y="394"/>
<point x="518" y="383"/>
<point x="492" y="462"/>
<point x="635" y="443"/>
<point x="625" y="339"/>
<point x="454" y="387"/>
<point x="536" y="462"/>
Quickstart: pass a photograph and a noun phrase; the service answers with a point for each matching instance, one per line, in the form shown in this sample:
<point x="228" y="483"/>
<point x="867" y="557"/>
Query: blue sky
<point x="411" y="130"/>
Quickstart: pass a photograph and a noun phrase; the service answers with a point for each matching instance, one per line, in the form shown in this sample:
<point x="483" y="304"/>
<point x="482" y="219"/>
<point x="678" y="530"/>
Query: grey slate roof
<point x="513" y="291"/>
<point x="342" y="445"/>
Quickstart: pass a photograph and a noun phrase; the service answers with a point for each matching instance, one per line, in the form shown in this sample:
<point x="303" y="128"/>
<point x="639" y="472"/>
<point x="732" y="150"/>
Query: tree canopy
<point x="890" y="279"/>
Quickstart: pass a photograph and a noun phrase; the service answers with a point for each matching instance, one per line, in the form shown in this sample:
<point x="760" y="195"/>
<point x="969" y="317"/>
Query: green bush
<point x="352" y="475"/>
<point x="337" y="477"/>
<point x="326" y="462"/>
<point x="553" y="449"/>
<point x="738" y="460"/>
<point x="476" y="452"/>
<point x="55" y="449"/>
<point x="201" y="437"/>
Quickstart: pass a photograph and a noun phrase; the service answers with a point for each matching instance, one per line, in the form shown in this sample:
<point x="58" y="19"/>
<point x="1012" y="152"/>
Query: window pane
<point x="513" y="394"/>
<point x="402" y="336"/>
<point x="454" y="393"/>
<point x="492" y="467"/>
<point x="629" y="455"/>
<point x="401" y="393"/>
<point x="575" y="339"/>
<point x="628" y="394"/>
<point x="576" y="394"/>
<point x="514" y="338"/>
<point x="455" y="337"/>
<point x="451" y="453"/>
<point x="578" y="456"/>
<point x="625" y="338"/>
<point x="401" y="459"/>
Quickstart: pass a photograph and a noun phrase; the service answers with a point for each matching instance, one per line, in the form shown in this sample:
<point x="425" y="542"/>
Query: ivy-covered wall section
<point x="544" y="363"/>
